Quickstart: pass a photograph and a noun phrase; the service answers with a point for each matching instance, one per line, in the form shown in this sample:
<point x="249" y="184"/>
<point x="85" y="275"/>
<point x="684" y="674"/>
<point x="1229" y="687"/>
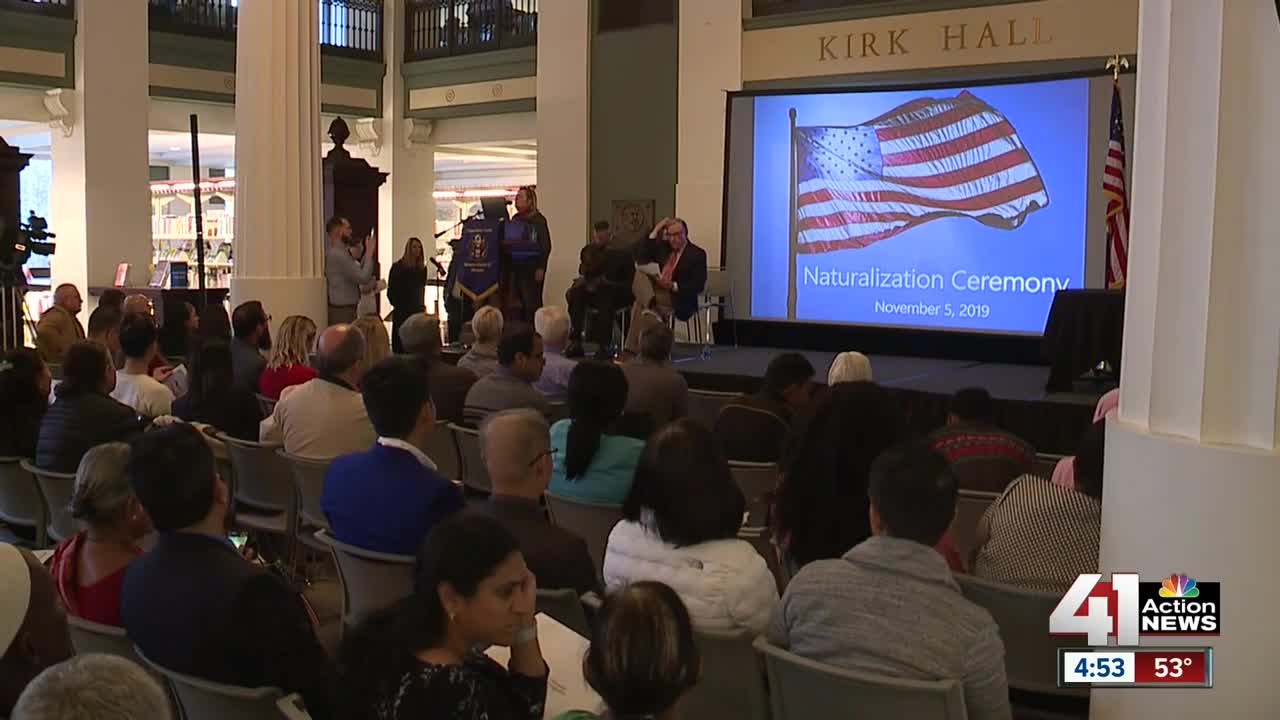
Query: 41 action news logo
<point x="1126" y="608"/>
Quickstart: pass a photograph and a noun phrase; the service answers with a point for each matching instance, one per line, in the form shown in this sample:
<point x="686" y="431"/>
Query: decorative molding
<point x="60" y="116"/>
<point x="417" y="132"/>
<point x="427" y="98"/>
<point x="368" y="135"/>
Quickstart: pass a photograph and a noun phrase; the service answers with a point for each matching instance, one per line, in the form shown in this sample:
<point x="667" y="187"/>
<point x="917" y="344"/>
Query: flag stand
<point x="792" y="225"/>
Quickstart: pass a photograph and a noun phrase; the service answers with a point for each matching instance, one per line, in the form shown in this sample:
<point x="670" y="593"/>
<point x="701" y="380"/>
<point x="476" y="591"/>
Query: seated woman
<point x="377" y="343"/>
<point x="680" y="526"/>
<point x="419" y="658"/>
<point x="84" y="413"/>
<point x="821" y="508"/>
<point x="289" y="363"/>
<point x="214" y="399"/>
<point x="482" y="358"/>
<point x="24" y="395"/>
<point x="643" y="656"/>
<point x="588" y="464"/>
<point x="88" y="567"/>
<point x="1040" y="536"/>
<point x="1064" y="471"/>
<point x="849" y="367"/>
<point x="181" y="322"/>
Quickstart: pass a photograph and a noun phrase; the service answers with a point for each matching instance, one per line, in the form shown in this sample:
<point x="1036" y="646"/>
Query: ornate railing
<point x="437" y="28"/>
<point x="347" y="27"/>
<point x="57" y="8"/>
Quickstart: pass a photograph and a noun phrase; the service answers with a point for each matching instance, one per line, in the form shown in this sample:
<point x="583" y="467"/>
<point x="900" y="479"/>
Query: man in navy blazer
<point x="387" y="498"/>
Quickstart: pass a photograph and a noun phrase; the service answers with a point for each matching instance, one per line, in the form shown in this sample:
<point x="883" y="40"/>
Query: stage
<point x="1052" y="422"/>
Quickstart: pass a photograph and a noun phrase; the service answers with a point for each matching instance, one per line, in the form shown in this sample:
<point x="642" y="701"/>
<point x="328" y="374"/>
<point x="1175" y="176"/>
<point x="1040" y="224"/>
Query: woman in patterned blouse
<point x="422" y="658"/>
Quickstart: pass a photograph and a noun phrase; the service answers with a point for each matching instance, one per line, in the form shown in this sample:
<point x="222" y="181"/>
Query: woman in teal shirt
<point x="589" y="464"/>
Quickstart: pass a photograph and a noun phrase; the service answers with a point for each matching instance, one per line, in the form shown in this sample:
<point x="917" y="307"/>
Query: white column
<point x="710" y="65"/>
<point x="1191" y="466"/>
<point x="564" y="136"/>
<point x="99" y="199"/>
<point x="278" y="254"/>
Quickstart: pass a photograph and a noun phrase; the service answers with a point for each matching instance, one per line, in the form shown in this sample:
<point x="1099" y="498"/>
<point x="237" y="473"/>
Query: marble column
<point x="99" y="198"/>
<point x="1192" y="468"/>
<point x="279" y="257"/>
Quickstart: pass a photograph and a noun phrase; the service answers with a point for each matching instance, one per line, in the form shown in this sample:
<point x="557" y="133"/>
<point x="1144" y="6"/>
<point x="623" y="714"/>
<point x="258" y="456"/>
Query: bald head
<point x="340" y="353"/>
<point x="33" y="626"/>
<point x="514" y="445"/>
<point x="67" y="297"/>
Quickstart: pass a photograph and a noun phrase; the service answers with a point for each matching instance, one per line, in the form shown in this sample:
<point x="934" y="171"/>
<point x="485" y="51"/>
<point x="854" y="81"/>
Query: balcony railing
<point x="57" y="8"/>
<point x="347" y="27"/>
<point x="761" y="8"/>
<point x="438" y="28"/>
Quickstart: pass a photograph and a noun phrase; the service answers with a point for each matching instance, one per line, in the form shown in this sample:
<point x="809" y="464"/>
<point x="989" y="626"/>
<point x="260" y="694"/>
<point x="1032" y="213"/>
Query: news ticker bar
<point x="1135" y="667"/>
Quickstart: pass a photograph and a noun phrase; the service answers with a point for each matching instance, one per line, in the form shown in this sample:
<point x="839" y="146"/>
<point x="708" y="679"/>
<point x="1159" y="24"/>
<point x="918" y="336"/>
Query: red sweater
<point x="273" y="381"/>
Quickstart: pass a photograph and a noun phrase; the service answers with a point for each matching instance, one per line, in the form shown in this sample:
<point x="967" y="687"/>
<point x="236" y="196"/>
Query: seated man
<point x="193" y="604"/>
<point x="33" y="625"/>
<point x="983" y="456"/>
<point x="420" y="338"/>
<point x="135" y="386"/>
<point x="387" y="498"/>
<point x="104" y="327"/>
<point x="681" y="276"/>
<point x="606" y="274"/>
<point x="94" y="685"/>
<point x="890" y="606"/>
<point x="552" y="324"/>
<point x="510" y="386"/>
<point x="59" y="326"/>
<point x="516" y="448"/>
<point x="252" y="328"/>
<point x="753" y="427"/>
<point x="325" y="416"/>
<point x="654" y="388"/>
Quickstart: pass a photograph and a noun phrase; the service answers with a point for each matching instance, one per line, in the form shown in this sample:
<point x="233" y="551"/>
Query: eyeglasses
<point x="549" y="452"/>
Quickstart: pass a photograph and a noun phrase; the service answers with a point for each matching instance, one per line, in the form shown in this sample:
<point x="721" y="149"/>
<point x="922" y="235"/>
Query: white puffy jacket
<point x="725" y="583"/>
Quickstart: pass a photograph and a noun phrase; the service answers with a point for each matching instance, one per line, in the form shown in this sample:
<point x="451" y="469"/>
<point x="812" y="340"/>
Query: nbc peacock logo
<point x="1179" y="586"/>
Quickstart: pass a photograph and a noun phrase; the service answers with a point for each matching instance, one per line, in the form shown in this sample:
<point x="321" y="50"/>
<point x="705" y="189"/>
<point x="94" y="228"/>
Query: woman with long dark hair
<point x="419" y="658"/>
<point x="590" y="463"/>
<point x="213" y="397"/>
<point x="406" y="284"/>
<point x="24" y="395"/>
<point x="215" y="323"/>
<point x="181" y="322"/>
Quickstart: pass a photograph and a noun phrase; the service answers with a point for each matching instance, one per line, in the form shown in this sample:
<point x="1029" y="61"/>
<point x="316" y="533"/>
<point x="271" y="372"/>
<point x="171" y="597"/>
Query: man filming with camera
<point x="343" y="274"/>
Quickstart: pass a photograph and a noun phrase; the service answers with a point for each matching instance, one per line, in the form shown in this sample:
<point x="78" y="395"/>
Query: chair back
<point x="474" y="474"/>
<point x="589" y="521"/>
<point x="757" y="482"/>
<point x="21" y="502"/>
<point x="970" y="506"/>
<point x="761" y="538"/>
<point x="370" y="580"/>
<point x="750" y="434"/>
<point x="1030" y="653"/>
<point x="732" y="684"/>
<point x="565" y="606"/>
<point x="221" y="458"/>
<point x="443" y="451"/>
<point x="705" y="406"/>
<point x="308" y="475"/>
<point x="56" y="489"/>
<point x="719" y="283"/>
<point x="92" y="637"/>
<point x="264" y="480"/>
<point x="205" y="700"/>
<point x="291" y="708"/>
<point x="801" y="689"/>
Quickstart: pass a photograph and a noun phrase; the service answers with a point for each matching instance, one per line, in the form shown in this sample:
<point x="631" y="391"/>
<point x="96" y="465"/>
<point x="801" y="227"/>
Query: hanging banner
<point x="478" y="259"/>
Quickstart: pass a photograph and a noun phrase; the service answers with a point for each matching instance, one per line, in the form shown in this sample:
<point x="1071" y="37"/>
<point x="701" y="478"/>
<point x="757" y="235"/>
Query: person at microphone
<point x="528" y="273"/>
<point x="671" y="273"/>
<point x="344" y="275"/>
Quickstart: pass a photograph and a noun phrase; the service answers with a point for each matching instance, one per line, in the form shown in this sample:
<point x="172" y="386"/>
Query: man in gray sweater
<point x="890" y="606"/>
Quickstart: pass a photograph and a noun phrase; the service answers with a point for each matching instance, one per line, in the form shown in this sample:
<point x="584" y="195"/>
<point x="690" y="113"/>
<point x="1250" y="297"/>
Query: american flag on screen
<point x="923" y="160"/>
<point x="1117" y="198"/>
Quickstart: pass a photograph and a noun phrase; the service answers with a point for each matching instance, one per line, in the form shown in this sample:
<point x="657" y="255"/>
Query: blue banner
<point x="477" y="258"/>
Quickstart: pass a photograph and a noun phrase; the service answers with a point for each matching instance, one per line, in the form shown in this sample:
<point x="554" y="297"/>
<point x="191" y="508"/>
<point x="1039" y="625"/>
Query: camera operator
<point x="344" y="275"/>
<point x="59" y="327"/>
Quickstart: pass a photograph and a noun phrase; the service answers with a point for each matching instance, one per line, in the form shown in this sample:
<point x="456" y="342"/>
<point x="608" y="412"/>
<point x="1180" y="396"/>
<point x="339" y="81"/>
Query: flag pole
<point x="792" y="226"/>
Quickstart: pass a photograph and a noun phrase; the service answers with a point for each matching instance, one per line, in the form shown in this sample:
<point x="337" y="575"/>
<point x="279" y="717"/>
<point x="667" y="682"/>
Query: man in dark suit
<point x="193" y="604"/>
<point x="605" y="284"/>
<point x="516" y="447"/>
<point x="680" y="278"/>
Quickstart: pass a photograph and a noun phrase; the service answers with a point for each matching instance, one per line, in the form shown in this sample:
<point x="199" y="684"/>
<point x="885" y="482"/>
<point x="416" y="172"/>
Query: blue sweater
<point x="608" y="477"/>
<point x="384" y="500"/>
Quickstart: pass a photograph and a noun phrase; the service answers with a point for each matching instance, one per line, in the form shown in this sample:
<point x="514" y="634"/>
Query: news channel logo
<point x="1126" y="608"/>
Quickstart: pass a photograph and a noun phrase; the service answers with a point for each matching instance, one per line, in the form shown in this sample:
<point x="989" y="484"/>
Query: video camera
<point x="17" y="247"/>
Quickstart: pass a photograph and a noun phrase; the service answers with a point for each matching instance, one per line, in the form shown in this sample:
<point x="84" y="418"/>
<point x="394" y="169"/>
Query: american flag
<point x="1117" y="198"/>
<point x="923" y="160"/>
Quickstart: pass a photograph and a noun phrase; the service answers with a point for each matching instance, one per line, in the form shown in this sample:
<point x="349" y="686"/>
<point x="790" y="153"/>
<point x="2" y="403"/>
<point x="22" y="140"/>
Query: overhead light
<point x="175" y="148"/>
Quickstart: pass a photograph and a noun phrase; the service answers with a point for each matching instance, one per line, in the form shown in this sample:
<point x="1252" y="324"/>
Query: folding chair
<point x="266" y="498"/>
<point x="761" y="538"/>
<point x="443" y="451"/>
<point x="705" y="406"/>
<point x="589" y="521"/>
<point x="732" y="684"/>
<point x="308" y="477"/>
<point x="56" y="489"/>
<point x="92" y="637"/>
<point x="205" y="700"/>
<point x="757" y="482"/>
<point x="21" y="502"/>
<point x="370" y="580"/>
<point x="565" y="606"/>
<point x="474" y="474"/>
<point x="970" y="506"/>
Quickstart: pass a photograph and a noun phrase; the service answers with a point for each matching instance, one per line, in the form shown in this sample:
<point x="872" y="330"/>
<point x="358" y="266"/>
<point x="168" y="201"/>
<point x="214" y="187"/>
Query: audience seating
<point x="221" y="458"/>
<point x="970" y="506"/>
<point x="204" y="700"/>
<point x="266" y="499"/>
<point x="474" y="475"/>
<point x="705" y="406"/>
<point x="1045" y="465"/>
<point x="732" y="684"/>
<point x="291" y="707"/>
<point x="308" y="476"/>
<point x="761" y="538"/>
<point x="749" y="433"/>
<point x="1030" y="653"/>
<point x="757" y="482"/>
<point x="55" y="370"/>
<point x="21" y="502"/>
<point x="589" y="521"/>
<point x="565" y="605"/>
<point x="56" y="489"/>
<point x="92" y="637"/>
<point x="266" y="405"/>
<point x="443" y="451"/>
<point x="370" y="580"/>
<point x="802" y="689"/>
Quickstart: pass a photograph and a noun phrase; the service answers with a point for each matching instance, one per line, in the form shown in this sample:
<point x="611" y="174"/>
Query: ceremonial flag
<point x="1117" y="198"/>
<point x="478" y="255"/>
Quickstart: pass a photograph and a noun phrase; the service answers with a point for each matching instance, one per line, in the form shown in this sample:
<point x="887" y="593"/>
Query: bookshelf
<point x="173" y="226"/>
